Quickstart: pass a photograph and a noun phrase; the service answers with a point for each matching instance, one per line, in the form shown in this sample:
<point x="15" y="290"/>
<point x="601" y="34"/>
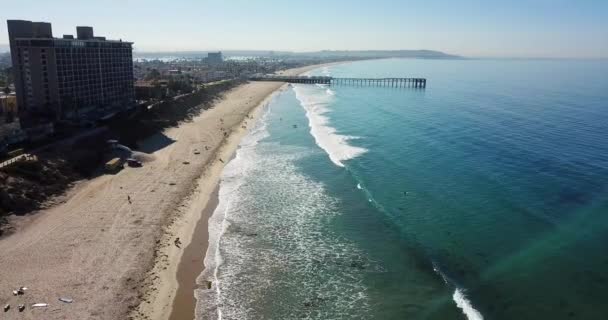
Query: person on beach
<point x="129" y="199"/>
<point x="177" y="242"/>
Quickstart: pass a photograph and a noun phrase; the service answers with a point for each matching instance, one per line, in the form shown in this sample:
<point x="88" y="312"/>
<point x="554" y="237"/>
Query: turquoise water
<point x="483" y="196"/>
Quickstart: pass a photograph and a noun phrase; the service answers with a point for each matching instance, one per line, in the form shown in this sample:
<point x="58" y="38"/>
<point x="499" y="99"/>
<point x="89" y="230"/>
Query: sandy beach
<point x="108" y="252"/>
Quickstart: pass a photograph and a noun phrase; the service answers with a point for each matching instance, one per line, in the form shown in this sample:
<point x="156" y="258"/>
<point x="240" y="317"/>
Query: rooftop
<point x="24" y="30"/>
<point x="72" y="40"/>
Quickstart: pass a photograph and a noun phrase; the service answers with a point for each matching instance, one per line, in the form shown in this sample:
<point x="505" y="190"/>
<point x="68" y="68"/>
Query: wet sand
<point x="227" y="122"/>
<point x="170" y="284"/>
<point x="192" y="265"/>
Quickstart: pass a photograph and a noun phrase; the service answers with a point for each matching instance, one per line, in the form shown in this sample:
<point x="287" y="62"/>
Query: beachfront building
<point x="73" y="79"/>
<point x="205" y="76"/>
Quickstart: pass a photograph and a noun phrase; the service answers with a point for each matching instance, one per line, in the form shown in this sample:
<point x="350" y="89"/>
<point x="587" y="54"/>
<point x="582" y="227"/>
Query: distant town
<point x="55" y="87"/>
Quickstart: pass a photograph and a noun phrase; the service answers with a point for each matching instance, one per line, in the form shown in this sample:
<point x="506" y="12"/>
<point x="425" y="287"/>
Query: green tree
<point x="152" y="75"/>
<point x="180" y="85"/>
<point x="158" y="92"/>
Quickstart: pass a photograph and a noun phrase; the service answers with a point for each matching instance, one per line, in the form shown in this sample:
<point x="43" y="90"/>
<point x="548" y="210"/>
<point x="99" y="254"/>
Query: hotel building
<point x="74" y="79"/>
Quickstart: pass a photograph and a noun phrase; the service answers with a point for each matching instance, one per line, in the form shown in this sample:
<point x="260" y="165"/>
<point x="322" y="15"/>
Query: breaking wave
<point x="460" y="298"/>
<point x="271" y="253"/>
<point x="467" y="308"/>
<point x="209" y="302"/>
<point x="315" y="101"/>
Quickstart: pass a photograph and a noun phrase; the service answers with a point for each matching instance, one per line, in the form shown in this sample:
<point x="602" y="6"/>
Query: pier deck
<point x="372" y="82"/>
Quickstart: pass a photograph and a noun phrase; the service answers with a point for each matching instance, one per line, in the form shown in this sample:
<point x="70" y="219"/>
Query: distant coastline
<point x="325" y="54"/>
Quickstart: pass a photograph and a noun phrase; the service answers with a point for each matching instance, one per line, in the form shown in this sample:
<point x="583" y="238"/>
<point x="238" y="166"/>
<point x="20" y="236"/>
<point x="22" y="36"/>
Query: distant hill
<point x="426" y="54"/>
<point x="370" y="54"/>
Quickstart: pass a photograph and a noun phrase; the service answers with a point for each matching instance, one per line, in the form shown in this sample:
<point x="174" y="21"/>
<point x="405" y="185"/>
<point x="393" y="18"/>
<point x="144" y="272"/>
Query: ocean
<point x="483" y="196"/>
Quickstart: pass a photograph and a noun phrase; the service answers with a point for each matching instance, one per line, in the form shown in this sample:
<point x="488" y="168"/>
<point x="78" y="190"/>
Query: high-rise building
<point x="68" y="78"/>
<point x="215" y="58"/>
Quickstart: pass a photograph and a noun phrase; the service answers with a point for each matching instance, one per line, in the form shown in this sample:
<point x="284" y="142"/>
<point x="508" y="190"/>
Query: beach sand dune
<point x="110" y="244"/>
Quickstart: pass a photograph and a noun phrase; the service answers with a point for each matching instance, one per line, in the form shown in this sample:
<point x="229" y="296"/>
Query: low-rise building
<point x="174" y="72"/>
<point x="145" y="90"/>
<point x="205" y="76"/>
<point x="10" y="128"/>
<point x="8" y="104"/>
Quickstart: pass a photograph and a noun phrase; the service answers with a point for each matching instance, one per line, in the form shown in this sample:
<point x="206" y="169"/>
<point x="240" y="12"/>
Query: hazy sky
<point x="488" y="28"/>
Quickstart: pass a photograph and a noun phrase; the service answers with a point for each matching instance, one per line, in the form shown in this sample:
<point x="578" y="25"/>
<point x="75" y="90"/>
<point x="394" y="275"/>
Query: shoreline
<point x="108" y="242"/>
<point x="171" y="296"/>
<point x="192" y="264"/>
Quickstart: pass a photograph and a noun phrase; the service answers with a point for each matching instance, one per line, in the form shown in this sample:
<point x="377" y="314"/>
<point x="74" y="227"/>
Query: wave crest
<point x="467" y="308"/>
<point x="315" y="101"/>
<point x="459" y="297"/>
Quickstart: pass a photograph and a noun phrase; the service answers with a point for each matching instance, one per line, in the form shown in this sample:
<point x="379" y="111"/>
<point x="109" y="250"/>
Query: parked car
<point x="134" y="163"/>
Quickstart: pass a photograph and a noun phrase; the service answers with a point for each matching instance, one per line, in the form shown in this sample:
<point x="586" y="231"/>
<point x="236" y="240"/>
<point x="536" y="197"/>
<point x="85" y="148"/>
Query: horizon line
<point x="451" y="55"/>
<point x="455" y="55"/>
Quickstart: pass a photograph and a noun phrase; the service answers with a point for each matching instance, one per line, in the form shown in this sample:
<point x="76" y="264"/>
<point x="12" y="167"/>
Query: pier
<point x="370" y="82"/>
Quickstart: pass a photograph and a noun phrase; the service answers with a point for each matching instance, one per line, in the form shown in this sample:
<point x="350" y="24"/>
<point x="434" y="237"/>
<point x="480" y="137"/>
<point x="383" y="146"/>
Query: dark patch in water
<point x="569" y="196"/>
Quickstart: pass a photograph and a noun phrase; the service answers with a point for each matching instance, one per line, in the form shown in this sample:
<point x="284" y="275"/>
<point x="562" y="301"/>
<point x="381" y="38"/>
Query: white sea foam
<point x="268" y="247"/>
<point x="315" y="102"/>
<point x="218" y="223"/>
<point x="460" y="298"/>
<point x="467" y="308"/>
